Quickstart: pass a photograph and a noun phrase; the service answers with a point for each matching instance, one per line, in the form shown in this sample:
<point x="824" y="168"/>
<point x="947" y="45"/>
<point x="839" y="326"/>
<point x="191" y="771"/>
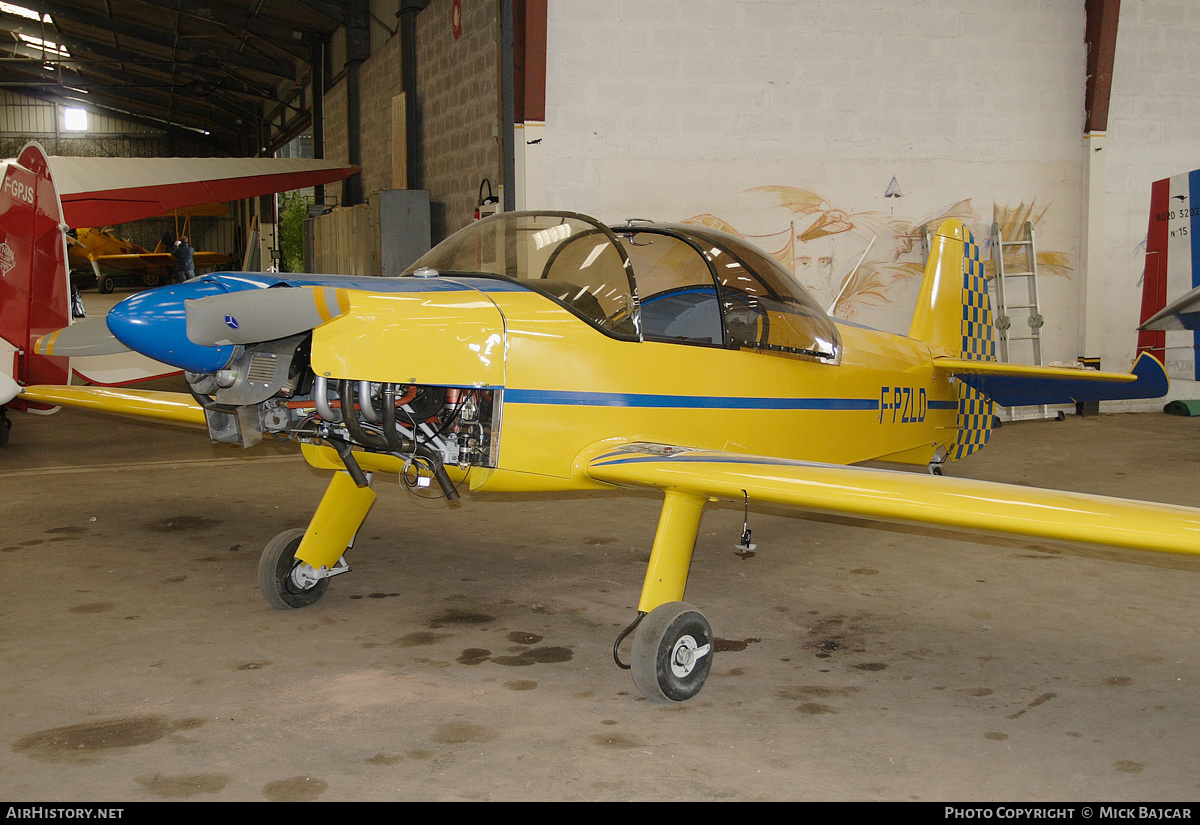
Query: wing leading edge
<point x="890" y="495"/>
<point x="178" y="407"/>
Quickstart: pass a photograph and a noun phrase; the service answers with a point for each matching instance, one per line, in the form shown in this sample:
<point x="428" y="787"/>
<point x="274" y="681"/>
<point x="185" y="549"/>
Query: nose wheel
<point x="281" y="576"/>
<point x="672" y="653"/>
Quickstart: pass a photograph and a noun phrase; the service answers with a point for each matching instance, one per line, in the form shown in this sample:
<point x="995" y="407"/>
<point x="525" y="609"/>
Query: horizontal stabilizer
<point x="164" y="406"/>
<point x="255" y="315"/>
<point x="915" y="498"/>
<point x="83" y="338"/>
<point x="1181" y="314"/>
<point x="1022" y="385"/>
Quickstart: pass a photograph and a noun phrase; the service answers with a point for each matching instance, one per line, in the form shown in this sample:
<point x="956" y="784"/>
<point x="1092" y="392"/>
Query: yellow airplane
<point x="549" y="352"/>
<point x="104" y="254"/>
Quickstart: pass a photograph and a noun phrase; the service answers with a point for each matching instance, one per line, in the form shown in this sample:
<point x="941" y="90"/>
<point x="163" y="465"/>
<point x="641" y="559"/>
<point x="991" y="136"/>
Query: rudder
<point x="954" y="317"/>
<point x="34" y="281"/>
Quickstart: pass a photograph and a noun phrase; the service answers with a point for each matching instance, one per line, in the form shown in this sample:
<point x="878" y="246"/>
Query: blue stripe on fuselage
<point x="692" y="402"/>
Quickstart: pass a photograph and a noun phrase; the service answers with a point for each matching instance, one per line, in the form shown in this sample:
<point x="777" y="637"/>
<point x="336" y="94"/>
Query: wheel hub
<point x="304" y="576"/>
<point x="686" y="654"/>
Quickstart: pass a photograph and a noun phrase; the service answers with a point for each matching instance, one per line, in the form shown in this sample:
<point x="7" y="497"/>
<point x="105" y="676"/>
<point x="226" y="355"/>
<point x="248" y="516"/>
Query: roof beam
<point x="1101" y="37"/>
<point x="88" y="53"/>
<point x="328" y="8"/>
<point x="167" y="40"/>
<point x="283" y="35"/>
<point x="221" y="139"/>
<point x="117" y="94"/>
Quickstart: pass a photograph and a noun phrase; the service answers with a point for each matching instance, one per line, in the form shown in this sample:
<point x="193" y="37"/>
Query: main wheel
<point x="277" y="569"/>
<point x="105" y="284"/>
<point x="672" y="653"/>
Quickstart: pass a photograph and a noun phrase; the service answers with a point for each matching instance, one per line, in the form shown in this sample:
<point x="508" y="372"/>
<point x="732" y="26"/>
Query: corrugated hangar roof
<point x="221" y="67"/>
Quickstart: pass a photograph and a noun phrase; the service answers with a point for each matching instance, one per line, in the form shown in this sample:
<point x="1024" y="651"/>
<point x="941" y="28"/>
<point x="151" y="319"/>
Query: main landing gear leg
<point x="673" y="646"/>
<point x="295" y="567"/>
<point x="938" y="460"/>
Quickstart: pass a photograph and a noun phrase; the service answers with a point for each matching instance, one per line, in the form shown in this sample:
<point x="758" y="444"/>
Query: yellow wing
<point x="134" y="261"/>
<point x="140" y="261"/>
<point x="164" y="406"/>
<point x="890" y="495"/>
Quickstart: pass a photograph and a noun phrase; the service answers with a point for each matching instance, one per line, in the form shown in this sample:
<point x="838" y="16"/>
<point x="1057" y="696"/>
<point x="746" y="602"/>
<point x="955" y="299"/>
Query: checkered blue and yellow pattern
<point x="975" y="410"/>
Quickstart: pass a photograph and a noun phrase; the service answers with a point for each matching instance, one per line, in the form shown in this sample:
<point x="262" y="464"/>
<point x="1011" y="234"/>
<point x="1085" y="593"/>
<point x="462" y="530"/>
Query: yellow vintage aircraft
<point x="549" y="352"/>
<point x="108" y="257"/>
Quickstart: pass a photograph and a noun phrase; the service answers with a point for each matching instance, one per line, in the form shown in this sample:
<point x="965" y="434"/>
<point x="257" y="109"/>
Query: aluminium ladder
<point x="1016" y="267"/>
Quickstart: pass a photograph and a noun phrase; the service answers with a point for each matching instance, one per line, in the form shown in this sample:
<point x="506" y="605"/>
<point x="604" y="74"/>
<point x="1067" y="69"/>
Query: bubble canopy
<point x="675" y="283"/>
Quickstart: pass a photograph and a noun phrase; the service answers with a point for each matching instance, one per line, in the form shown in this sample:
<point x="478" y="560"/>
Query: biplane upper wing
<point x="138" y="261"/>
<point x="107" y="191"/>
<point x="892" y="495"/>
<point x="1020" y="385"/>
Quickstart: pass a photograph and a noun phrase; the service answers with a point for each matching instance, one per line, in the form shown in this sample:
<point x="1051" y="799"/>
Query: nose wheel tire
<point x="672" y="653"/>
<point x="277" y="573"/>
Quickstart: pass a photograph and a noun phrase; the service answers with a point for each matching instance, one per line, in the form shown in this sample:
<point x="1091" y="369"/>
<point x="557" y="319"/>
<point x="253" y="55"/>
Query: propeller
<point x="255" y="315"/>
<point x="82" y="338"/>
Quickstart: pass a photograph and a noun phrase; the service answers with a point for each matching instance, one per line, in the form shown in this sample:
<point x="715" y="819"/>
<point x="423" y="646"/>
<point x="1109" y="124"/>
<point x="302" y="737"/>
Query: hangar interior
<point x="469" y="656"/>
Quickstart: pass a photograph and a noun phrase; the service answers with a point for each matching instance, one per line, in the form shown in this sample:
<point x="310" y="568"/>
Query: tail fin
<point x="954" y="317"/>
<point x="35" y="292"/>
<point x="1171" y="270"/>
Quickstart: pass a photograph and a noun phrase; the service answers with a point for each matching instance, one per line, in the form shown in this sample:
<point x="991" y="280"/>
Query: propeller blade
<point x="255" y="315"/>
<point x="83" y="338"/>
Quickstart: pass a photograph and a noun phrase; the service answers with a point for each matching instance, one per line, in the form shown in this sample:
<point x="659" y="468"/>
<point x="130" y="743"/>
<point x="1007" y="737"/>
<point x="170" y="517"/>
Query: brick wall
<point x="458" y="111"/>
<point x="380" y="79"/>
<point x="336" y="145"/>
<point x="458" y="85"/>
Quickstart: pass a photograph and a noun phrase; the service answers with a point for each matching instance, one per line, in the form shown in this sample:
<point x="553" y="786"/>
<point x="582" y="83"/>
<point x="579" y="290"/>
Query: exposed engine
<point x="270" y="388"/>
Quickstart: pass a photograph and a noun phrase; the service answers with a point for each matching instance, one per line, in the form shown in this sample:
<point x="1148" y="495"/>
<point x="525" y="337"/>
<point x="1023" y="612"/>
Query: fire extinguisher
<point x="486" y="206"/>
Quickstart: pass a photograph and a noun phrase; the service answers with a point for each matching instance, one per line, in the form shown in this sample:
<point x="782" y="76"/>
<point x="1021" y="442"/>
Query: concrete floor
<point x="468" y="654"/>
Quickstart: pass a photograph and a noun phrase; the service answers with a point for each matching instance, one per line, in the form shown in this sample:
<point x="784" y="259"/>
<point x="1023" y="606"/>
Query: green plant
<point x="293" y="208"/>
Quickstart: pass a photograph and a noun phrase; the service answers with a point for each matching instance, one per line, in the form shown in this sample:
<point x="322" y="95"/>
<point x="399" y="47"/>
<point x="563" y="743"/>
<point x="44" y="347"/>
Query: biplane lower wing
<point x="1020" y="385"/>
<point x="140" y="261"/>
<point x="897" y="496"/>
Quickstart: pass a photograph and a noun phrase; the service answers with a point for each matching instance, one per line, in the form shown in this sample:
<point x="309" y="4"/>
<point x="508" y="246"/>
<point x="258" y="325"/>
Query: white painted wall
<point x="680" y="108"/>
